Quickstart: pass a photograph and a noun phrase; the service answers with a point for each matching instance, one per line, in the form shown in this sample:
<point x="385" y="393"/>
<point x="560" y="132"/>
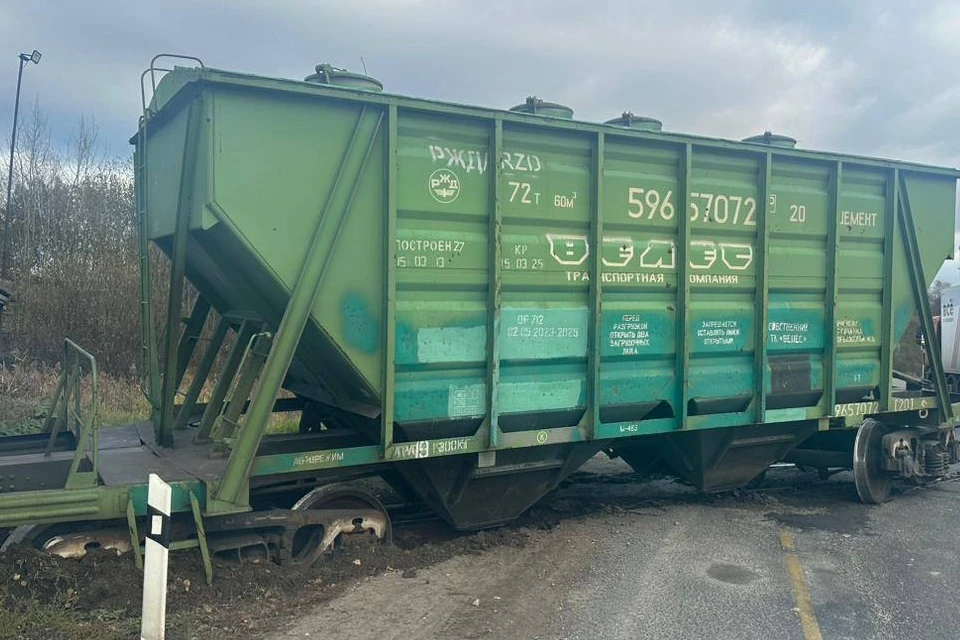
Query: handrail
<point x="77" y="363"/>
<point x="152" y="69"/>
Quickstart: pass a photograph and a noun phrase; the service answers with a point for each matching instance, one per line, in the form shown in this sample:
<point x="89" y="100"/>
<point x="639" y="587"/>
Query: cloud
<point x="875" y="78"/>
<point x="729" y="68"/>
<point x="871" y="78"/>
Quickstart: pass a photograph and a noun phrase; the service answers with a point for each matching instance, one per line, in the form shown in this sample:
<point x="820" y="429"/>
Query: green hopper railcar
<point x="472" y="302"/>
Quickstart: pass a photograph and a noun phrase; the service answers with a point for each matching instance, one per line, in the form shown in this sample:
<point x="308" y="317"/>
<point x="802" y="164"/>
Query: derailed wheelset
<point x="915" y="454"/>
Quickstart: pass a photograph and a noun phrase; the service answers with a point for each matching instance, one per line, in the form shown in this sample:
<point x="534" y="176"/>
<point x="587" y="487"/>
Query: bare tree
<point x="75" y="267"/>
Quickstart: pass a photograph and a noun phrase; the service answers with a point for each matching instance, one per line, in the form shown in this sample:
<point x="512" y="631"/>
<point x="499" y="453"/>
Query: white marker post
<point x="156" y="551"/>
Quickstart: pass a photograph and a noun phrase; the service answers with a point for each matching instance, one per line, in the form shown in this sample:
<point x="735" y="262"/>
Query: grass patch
<point x="26" y="389"/>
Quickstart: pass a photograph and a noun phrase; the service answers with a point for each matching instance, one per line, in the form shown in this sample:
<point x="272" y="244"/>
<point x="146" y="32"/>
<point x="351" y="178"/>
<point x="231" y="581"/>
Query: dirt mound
<point x="99" y="595"/>
<point x="99" y="580"/>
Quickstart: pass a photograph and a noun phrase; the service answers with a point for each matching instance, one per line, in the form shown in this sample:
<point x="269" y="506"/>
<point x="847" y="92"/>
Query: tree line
<point x="73" y="260"/>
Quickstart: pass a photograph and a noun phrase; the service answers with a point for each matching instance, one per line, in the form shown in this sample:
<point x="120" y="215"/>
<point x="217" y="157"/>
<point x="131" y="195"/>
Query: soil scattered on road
<point x="98" y="596"/>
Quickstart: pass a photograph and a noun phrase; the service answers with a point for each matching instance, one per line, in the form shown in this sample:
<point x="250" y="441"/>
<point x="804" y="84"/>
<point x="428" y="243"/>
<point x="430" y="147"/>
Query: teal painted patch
<point x="540" y="334"/>
<point x="718" y="420"/>
<point x="541" y="395"/>
<point x="857" y="373"/>
<point x="627" y="333"/>
<point x="419" y="339"/>
<point x="405" y="339"/>
<point x="721" y="379"/>
<point x="360" y="329"/>
<point x="265" y="465"/>
<point x="635" y="428"/>
<point x="722" y="333"/>
<point x="439" y="399"/>
<point x="444" y="399"/>
<point x="451" y="344"/>
<point x="794" y="329"/>
<point x="637" y="384"/>
<point x="786" y="415"/>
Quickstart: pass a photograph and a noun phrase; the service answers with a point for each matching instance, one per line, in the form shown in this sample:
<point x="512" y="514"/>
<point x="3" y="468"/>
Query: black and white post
<point x="156" y="552"/>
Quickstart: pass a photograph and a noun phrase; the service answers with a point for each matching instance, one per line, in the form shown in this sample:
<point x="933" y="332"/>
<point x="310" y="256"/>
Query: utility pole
<point x="5" y="257"/>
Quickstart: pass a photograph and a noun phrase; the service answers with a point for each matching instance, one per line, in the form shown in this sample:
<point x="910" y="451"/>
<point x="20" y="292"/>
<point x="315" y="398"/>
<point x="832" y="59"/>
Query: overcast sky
<point x="874" y="77"/>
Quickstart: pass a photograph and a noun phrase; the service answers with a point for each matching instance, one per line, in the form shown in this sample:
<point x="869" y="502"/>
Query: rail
<point x="66" y="413"/>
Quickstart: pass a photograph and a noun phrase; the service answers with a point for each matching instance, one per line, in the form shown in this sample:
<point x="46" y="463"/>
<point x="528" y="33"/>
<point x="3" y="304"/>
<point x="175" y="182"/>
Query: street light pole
<point x="5" y="258"/>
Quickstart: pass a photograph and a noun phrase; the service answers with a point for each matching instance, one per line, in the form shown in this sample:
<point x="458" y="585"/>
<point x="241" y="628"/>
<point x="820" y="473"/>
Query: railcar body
<point x="473" y="302"/>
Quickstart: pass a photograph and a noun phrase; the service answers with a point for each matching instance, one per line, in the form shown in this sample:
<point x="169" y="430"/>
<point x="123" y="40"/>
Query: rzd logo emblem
<point x="444" y="186"/>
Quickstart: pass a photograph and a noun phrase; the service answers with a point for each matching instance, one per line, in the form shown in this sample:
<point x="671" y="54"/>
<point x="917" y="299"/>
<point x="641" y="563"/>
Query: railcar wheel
<point x="69" y="540"/>
<point x="349" y="512"/>
<point x="873" y="484"/>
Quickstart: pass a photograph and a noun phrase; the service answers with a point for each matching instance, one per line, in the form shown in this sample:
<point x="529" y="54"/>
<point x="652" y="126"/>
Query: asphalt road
<point x="799" y="559"/>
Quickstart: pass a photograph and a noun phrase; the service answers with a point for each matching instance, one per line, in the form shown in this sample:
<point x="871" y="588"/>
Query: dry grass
<point x="26" y="389"/>
<point x="277" y="423"/>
